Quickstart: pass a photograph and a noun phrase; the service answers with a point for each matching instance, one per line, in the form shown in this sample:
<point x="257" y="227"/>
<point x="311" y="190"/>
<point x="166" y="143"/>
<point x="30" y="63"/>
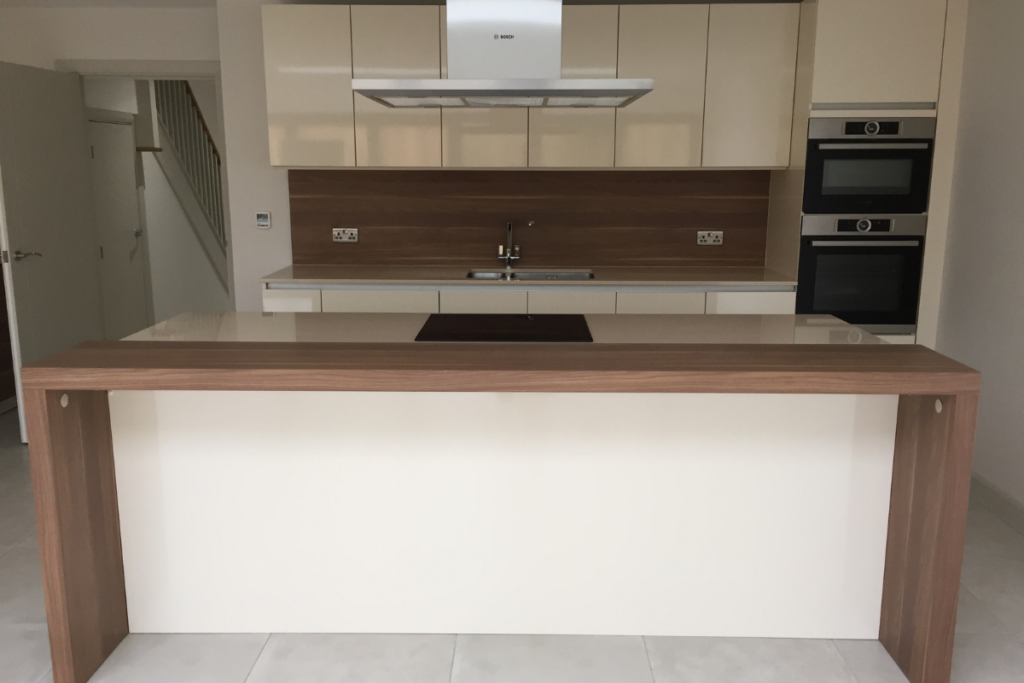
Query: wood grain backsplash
<point x="581" y="218"/>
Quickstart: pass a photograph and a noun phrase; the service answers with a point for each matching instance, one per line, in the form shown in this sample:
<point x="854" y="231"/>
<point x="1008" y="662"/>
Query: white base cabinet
<point x="572" y="302"/>
<point x="292" y="301"/>
<point x="483" y="302"/>
<point x="753" y="303"/>
<point x="380" y="301"/>
<point x="660" y="303"/>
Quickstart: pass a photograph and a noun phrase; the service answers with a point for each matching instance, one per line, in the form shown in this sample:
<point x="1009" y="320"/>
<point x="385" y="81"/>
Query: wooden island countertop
<point x="71" y="447"/>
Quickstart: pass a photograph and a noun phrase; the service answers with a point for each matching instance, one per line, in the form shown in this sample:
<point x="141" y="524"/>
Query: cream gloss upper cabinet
<point x="307" y="56"/>
<point x="580" y="138"/>
<point x="480" y="138"/>
<point x="878" y="52"/>
<point x="396" y="41"/>
<point x="748" y="112"/>
<point x="669" y="43"/>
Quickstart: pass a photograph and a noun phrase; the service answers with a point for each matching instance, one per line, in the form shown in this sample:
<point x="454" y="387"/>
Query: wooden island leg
<point x="79" y="533"/>
<point x="927" y="525"/>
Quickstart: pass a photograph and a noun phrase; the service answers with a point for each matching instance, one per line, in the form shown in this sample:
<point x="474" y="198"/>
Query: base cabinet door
<point x="483" y="302"/>
<point x="660" y="303"/>
<point x="756" y="303"/>
<point x="380" y="301"/>
<point x="572" y="302"/>
<point x="291" y="301"/>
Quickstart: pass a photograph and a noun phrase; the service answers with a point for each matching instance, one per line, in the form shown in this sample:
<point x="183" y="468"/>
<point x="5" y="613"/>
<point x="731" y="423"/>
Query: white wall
<point x="183" y="278"/>
<point x="112" y="93"/>
<point x="41" y="36"/>
<point x="255" y="185"/>
<point x="982" y="315"/>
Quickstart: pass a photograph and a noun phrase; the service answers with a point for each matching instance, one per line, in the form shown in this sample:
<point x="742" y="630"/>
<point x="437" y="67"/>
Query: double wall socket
<point x="710" y="238"/>
<point x="346" y="234"/>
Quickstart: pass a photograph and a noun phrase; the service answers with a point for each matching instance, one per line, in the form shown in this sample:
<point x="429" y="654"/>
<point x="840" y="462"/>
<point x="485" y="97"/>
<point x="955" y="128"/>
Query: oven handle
<point x="856" y="146"/>
<point x="858" y="243"/>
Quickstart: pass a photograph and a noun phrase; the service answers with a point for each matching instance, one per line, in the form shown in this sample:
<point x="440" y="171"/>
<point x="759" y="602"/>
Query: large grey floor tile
<point x="972" y="616"/>
<point x="988" y="658"/>
<point x="17" y="517"/>
<point x="24" y="654"/>
<point x="21" y="587"/>
<point x="179" y="658"/>
<point x="989" y="535"/>
<point x="870" y="662"/>
<point x="333" y="658"/>
<point x="550" y="659"/>
<point x="998" y="582"/>
<point x="746" y="660"/>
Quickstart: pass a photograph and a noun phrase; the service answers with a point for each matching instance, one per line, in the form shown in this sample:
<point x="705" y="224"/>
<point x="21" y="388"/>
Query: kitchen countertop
<point x="401" y="328"/>
<point x="445" y="276"/>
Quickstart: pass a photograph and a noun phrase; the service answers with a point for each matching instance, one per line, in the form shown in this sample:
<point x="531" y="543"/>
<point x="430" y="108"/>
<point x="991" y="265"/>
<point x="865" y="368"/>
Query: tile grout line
<point x="256" y="661"/>
<point x="853" y="673"/>
<point x="451" y="669"/>
<point x="650" y="666"/>
<point x="991" y="612"/>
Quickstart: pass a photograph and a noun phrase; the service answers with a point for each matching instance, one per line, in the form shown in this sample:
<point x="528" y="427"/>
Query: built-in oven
<point x="869" y="167"/>
<point x="863" y="270"/>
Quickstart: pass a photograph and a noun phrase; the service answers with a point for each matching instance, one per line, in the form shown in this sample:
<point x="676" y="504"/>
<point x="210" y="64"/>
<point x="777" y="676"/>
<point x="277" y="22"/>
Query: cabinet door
<point x="748" y="113"/>
<point x="379" y="301"/>
<point x="660" y="303"/>
<point x="307" y="53"/>
<point x="480" y="138"/>
<point x="392" y="41"/>
<point x="580" y="138"/>
<point x="763" y="303"/>
<point x="453" y="301"/>
<point x="291" y="301"/>
<point x="572" y="302"/>
<point x="669" y="43"/>
<point x="878" y="51"/>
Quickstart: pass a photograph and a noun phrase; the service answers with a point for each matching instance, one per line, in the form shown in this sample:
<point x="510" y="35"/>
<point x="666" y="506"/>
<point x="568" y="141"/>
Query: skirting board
<point x="998" y="503"/>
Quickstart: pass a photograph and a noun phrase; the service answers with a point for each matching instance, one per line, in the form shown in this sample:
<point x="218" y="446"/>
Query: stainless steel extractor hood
<point x="504" y="53"/>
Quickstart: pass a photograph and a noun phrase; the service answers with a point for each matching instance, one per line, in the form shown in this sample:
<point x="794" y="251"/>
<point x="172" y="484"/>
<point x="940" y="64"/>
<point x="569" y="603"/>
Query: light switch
<point x="263" y="220"/>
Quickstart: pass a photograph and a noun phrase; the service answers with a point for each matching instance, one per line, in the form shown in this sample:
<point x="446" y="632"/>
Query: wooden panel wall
<point x="582" y="218"/>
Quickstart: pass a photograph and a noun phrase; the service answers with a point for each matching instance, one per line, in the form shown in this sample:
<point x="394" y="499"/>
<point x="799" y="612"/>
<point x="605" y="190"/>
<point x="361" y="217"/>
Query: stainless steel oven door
<point x="874" y="283"/>
<point x="867" y="177"/>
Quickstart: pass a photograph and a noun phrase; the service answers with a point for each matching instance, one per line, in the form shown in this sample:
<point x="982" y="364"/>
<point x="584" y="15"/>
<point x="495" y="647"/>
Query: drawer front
<point x="291" y="301"/>
<point x="483" y="302"/>
<point x="408" y="301"/>
<point x="660" y="303"/>
<point x="763" y="303"/>
<point x="572" y="302"/>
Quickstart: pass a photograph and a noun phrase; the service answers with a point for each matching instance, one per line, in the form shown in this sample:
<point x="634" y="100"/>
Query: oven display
<point x="867" y="177"/>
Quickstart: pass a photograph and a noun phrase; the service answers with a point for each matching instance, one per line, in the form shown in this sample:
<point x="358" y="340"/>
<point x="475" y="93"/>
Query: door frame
<point x="12" y="313"/>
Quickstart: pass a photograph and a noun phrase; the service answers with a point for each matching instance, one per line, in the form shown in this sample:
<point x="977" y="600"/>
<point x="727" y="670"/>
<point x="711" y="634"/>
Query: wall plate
<point x="345" y="234"/>
<point x="710" y="238"/>
<point x="263" y="220"/>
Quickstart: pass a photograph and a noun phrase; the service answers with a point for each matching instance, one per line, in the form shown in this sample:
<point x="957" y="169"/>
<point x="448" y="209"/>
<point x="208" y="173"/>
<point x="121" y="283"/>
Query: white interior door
<point x="118" y="228"/>
<point x="54" y="299"/>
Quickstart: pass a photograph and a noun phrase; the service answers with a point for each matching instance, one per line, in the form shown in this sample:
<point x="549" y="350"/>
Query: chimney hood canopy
<point x="504" y="53"/>
<point x="527" y="92"/>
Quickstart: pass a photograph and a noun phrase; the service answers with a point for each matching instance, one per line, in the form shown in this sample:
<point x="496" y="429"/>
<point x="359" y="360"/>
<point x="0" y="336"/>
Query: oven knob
<point x="872" y="128"/>
<point x="863" y="225"/>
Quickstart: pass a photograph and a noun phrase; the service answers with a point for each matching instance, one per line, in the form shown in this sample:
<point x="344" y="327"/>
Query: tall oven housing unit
<point x="865" y="221"/>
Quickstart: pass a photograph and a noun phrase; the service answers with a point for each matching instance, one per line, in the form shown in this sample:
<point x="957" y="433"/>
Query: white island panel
<point x="667" y="514"/>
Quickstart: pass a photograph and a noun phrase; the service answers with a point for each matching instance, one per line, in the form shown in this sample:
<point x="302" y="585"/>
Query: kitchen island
<point x="658" y="481"/>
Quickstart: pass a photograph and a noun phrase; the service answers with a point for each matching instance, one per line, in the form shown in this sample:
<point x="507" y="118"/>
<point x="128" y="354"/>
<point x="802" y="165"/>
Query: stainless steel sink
<point x="530" y="275"/>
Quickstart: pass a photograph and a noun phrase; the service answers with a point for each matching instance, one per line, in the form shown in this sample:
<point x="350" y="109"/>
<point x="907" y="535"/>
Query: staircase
<point x="190" y="160"/>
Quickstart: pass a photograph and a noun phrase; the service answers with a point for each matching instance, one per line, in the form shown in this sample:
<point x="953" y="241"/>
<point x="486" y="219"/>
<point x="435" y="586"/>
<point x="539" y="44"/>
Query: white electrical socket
<point x="345" y="234"/>
<point x="710" y="238"/>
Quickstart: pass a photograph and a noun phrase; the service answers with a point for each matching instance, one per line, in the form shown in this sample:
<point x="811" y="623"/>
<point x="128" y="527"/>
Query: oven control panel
<point x="854" y="226"/>
<point x="864" y="225"/>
